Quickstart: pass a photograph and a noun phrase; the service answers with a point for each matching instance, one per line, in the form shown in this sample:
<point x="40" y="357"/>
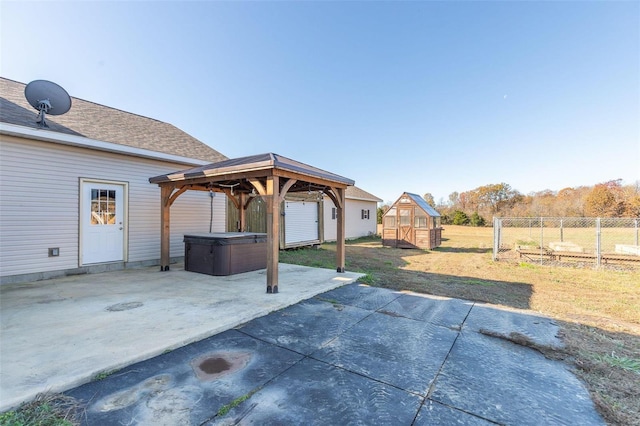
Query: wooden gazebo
<point x="271" y="176"/>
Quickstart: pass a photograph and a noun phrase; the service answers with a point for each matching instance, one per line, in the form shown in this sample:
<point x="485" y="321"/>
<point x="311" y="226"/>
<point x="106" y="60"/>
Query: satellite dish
<point x="48" y="98"/>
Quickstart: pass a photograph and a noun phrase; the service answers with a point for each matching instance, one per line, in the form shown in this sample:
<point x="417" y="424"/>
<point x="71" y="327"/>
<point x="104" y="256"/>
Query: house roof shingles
<point x="102" y="123"/>
<point x="355" y="193"/>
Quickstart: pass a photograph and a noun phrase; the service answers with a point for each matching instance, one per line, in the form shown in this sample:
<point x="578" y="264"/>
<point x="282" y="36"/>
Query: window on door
<point x="103" y="207"/>
<point x="405" y="217"/>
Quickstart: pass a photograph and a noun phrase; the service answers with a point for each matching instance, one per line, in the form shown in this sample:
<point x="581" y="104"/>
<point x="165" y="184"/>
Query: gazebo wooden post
<point x="273" y="232"/>
<point x="165" y="226"/>
<point x="340" y="232"/>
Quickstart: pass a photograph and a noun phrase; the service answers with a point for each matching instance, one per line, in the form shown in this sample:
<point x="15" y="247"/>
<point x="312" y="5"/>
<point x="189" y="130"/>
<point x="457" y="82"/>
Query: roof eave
<point x="377" y="200"/>
<point x="83" y="142"/>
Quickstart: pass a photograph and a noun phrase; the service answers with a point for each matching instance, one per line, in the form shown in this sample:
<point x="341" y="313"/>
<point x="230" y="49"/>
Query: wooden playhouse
<point x="411" y="223"/>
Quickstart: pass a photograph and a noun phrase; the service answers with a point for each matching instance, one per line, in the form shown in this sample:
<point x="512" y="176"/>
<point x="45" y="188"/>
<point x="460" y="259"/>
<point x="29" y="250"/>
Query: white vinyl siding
<point x="354" y="225"/>
<point x="39" y="204"/>
<point x="301" y="222"/>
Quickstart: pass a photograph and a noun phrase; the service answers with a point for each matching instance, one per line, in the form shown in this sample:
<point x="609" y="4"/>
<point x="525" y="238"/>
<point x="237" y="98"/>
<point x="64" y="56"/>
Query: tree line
<point x="478" y="206"/>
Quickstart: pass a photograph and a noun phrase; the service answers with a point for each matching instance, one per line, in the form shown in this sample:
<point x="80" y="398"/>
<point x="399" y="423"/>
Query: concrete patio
<point x="60" y="333"/>
<point x="191" y="349"/>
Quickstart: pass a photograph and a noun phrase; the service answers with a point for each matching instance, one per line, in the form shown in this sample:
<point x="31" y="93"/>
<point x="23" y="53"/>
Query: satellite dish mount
<point x="47" y="98"/>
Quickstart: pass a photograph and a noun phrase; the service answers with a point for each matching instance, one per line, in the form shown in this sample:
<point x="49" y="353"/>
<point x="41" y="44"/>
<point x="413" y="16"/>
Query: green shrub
<point x="476" y="220"/>
<point x="460" y="218"/>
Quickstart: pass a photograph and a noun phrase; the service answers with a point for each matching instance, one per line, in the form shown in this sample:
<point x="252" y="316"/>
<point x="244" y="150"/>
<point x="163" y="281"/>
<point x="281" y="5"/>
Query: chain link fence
<point x="568" y="241"/>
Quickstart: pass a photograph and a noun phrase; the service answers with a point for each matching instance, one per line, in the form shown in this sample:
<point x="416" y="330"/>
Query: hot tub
<point x="225" y="253"/>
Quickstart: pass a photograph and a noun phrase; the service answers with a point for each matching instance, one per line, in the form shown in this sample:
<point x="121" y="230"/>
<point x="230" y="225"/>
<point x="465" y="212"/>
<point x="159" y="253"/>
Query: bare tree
<point x="429" y="199"/>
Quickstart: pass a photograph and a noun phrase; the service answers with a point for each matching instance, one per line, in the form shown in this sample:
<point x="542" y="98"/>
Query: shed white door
<point x="300" y="222"/>
<point x="102" y="222"/>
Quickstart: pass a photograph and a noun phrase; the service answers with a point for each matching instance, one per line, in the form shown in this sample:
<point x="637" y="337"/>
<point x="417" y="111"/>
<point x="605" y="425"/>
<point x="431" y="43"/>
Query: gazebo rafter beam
<point x="301" y="177"/>
<point x="285" y="189"/>
<point x="258" y="186"/>
<point x="335" y="197"/>
<point x="222" y="177"/>
<point x="177" y="194"/>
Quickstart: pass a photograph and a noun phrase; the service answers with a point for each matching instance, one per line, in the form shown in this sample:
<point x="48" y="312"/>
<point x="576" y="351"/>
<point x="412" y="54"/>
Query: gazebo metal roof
<point x="254" y="165"/>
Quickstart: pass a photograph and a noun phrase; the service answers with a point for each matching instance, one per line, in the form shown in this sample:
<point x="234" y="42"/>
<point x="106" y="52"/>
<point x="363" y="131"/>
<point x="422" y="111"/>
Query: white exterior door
<point x="102" y="222"/>
<point x="300" y="222"/>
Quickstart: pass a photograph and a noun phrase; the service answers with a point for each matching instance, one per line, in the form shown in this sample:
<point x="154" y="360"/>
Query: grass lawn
<point x="598" y="311"/>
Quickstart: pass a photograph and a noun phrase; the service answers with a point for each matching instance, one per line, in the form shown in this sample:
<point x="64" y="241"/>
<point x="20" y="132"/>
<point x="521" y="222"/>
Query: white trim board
<point x="80" y="141"/>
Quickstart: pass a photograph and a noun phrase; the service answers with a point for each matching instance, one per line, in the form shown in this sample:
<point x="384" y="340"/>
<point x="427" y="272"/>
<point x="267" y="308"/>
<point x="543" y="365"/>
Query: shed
<point x="309" y="218"/>
<point x="411" y="223"/>
<point x="360" y="215"/>
<point x="300" y="219"/>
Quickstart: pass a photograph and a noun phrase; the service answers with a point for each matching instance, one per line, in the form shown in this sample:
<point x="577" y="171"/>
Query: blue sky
<point x="418" y="96"/>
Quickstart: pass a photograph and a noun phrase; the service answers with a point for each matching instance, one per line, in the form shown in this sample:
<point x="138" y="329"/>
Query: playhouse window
<point x="390" y="218"/>
<point x="421" y="222"/>
<point x="390" y="222"/>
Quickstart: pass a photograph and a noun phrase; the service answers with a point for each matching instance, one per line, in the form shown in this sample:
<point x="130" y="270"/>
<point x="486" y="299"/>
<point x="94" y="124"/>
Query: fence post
<point x="497" y="223"/>
<point x="541" y="240"/>
<point x="598" y="244"/>
<point x="561" y="232"/>
<point x="636" y="223"/>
